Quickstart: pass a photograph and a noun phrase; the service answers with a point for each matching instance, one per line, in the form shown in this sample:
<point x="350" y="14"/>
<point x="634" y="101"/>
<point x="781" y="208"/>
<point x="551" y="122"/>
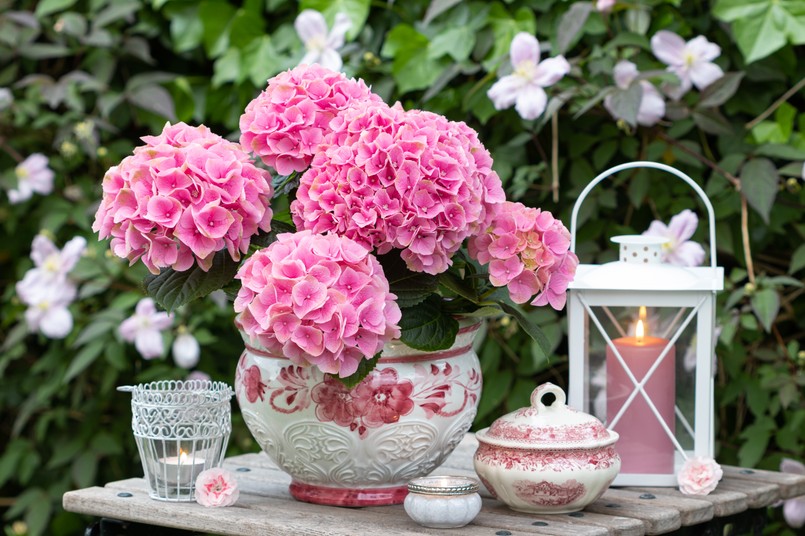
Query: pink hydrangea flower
<point x="691" y="62"/>
<point x="652" y="105"/>
<point x="524" y="87"/>
<point x="319" y="300"/>
<point x="699" y="475"/>
<point x="322" y="45"/>
<point x="794" y="509"/>
<point x="288" y="122"/>
<point x="144" y="328"/>
<point x="216" y="487"/>
<point x="528" y="251"/>
<point x="679" y="250"/>
<point x="181" y="197"/>
<point x="33" y="176"/>
<point x="389" y="179"/>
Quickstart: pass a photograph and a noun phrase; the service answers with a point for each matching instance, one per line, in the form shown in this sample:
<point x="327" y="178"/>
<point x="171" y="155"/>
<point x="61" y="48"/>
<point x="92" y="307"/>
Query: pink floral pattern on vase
<point x="549" y="493"/>
<point x="249" y="381"/>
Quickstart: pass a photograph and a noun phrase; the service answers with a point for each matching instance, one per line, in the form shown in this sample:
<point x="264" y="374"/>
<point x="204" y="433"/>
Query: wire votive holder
<point x="181" y="428"/>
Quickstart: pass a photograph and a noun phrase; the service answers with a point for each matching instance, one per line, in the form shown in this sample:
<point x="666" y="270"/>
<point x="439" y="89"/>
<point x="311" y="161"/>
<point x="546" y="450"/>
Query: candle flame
<point x="642" y="313"/>
<point x="640" y="331"/>
<point x="182" y="456"/>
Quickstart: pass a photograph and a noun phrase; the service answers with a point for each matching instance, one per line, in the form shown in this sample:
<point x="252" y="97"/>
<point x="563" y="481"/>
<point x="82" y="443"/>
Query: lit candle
<point x="644" y="446"/>
<point x="179" y="470"/>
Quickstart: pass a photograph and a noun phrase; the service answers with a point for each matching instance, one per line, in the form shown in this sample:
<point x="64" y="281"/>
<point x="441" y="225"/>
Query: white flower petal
<point x="42" y="248"/>
<point x="531" y="102"/>
<point x="794" y="512"/>
<point x="341" y="26"/>
<point x="668" y="47"/>
<point x="311" y="57"/>
<point x="145" y="307"/>
<point x="310" y="25"/>
<point x="686" y="254"/>
<point x="657" y="228"/>
<point x="652" y="107"/>
<point x="683" y="225"/>
<point x="702" y="49"/>
<point x="57" y="323"/>
<point x="677" y="91"/>
<point x="703" y="74"/>
<point x="503" y="93"/>
<point x="33" y="316"/>
<point x="330" y="59"/>
<point x="524" y="48"/>
<point x="551" y="71"/>
<point x="128" y="329"/>
<point x="149" y="343"/>
<point x="72" y="252"/>
<point x="624" y="73"/>
<point x="186" y="351"/>
<point x="792" y="466"/>
<point x="19" y="195"/>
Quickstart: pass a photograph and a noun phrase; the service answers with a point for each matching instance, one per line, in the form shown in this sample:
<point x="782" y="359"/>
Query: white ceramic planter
<point x="360" y="446"/>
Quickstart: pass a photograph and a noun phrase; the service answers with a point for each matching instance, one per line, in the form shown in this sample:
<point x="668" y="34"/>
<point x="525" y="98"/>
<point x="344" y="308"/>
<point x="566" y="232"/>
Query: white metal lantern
<point x="642" y="344"/>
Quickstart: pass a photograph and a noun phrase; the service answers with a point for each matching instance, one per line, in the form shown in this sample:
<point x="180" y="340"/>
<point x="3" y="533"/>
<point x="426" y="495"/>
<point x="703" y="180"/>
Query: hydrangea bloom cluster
<point x="47" y="290"/>
<point x="319" y="300"/>
<point x="409" y="180"/>
<point x="181" y="197"/>
<point x="527" y="250"/>
<point x="288" y="122"/>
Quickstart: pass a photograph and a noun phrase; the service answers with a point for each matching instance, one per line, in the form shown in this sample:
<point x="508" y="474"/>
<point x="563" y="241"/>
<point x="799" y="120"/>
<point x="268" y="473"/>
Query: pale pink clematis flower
<point x="144" y="328"/>
<point x="524" y="87"/>
<point x="198" y="375"/>
<point x="216" y="487"/>
<point x="699" y="475"/>
<point x="47" y="311"/>
<point x="652" y="105"/>
<point x="679" y="250"/>
<point x="52" y="264"/>
<point x="794" y="509"/>
<point x="33" y="175"/>
<point x="604" y="6"/>
<point x="185" y="349"/>
<point x="322" y="47"/>
<point x="691" y="62"/>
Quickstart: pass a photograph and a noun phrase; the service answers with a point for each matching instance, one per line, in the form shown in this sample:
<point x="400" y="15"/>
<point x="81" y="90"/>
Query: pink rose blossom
<point x="288" y="122"/>
<point x="528" y="251"/>
<point x="699" y="475"/>
<point x="181" y="197"/>
<point x="144" y="328"/>
<point x="691" y="62"/>
<point x="391" y="179"/>
<point x="33" y="176"/>
<point x="679" y="250"/>
<point x="319" y="300"/>
<point x="216" y="487"/>
<point x="524" y="87"/>
<point x="794" y="509"/>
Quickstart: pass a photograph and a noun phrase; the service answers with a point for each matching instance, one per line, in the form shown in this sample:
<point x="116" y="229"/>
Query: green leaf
<point x="721" y="90"/>
<point x="528" y="325"/>
<point x="496" y="389"/>
<point x="412" y="68"/>
<point x="797" y="260"/>
<point x="84" y="358"/>
<point x="261" y="57"/>
<point x="227" y="68"/>
<point x="172" y="289"/>
<point x="766" y="305"/>
<point x="356" y="10"/>
<point x="46" y="7"/>
<point x="436" y="8"/>
<point x="411" y="288"/>
<point x="625" y="103"/>
<point x="712" y="121"/>
<point x="785" y="152"/>
<point x="427" y="327"/>
<point x="504" y="28"/>
<point x="116" y="11"/>
<point x="216" y="17"/>
<point x="365" y="367"/>
<point x="571" y="23"/>
<point x="155" y="99"/>
<point x="756" y="439"/>
<point x="244" y="28"/>
<point x="262" y="239"/>
<point x="455" y="42"/>
<point x="187" y="29"/>
<point x="43" y="51"/>
<point x="759" y="180"/>
<point x="84" y="469"/>
<point x="761" y="27"/>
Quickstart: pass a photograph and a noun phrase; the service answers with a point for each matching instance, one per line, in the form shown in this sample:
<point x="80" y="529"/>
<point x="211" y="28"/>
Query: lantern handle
<point x="646" y="164"/>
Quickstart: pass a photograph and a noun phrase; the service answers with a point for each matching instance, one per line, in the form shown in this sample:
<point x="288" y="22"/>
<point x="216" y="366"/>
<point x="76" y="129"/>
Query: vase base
<point x="347" y="496"/>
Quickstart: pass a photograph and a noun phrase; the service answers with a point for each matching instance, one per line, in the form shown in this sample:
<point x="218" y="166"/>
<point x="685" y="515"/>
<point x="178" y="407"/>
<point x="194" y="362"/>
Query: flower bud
<point x="185" y="349"/>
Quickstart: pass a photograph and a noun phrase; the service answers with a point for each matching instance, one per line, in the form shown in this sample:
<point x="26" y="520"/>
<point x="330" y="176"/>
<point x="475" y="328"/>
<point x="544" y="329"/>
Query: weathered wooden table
<point x="266" y="507"/>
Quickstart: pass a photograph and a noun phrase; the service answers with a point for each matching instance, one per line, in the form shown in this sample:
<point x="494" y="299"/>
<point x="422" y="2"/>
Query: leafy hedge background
<point x="89" y="77"/>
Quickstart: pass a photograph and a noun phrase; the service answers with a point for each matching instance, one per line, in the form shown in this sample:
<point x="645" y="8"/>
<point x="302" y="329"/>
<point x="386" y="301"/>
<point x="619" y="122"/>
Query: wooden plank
<point x="691" y="510"/>
<point x="656" y="519"/>
<point x="252" y="515"/>
<point x="563" y="524"/>
<point x="790" y="485"/>
<point x="758" y="494"/>
<point x="725" y="503"/>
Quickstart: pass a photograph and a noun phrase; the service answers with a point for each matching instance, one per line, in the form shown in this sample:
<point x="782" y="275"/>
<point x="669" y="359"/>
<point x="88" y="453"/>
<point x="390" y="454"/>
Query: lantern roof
<point x="621" y="275"/>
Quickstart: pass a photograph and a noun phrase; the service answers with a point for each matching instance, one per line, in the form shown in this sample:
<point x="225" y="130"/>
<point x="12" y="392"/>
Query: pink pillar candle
<point x="644" y="446"/>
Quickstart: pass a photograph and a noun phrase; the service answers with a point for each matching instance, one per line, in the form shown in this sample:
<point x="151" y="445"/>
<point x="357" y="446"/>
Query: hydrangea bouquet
<point x="384" y="202"/>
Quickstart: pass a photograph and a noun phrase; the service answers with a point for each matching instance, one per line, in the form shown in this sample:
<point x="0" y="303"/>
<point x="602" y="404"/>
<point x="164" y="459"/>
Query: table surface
<point x="266" y="507"/>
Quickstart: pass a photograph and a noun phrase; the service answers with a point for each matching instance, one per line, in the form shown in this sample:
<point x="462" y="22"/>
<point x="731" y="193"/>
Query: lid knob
<point x="544" y="389"/>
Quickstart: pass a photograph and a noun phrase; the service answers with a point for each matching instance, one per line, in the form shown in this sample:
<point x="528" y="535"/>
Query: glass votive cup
<point x="443" y="502"/>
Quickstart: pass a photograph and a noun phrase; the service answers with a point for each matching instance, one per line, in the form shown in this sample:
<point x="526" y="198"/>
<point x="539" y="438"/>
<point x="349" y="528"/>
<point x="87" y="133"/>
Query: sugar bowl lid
<point x="541" y="426"/>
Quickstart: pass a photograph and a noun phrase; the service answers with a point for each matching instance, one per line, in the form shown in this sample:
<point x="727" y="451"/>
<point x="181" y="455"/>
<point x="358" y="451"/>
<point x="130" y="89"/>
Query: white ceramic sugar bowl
<point x="547" y="458"/>
<point x="443" y="502"/>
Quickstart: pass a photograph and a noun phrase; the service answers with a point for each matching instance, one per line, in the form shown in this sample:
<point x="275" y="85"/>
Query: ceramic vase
<point x="360" y="446"/>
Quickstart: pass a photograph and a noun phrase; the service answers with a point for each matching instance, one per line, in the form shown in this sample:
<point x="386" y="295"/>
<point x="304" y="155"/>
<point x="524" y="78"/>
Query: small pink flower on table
<point x="794" y="509"/>
<point x="33" y="176"/>
<point x="691" y="62"/>
<point x="679" y="251"/>
<point x="216" y="487"/>
<point x="322" y="46"/>
<point x="524" y="87"/>
<point x="699" y="475"/>
<point x="144" y="328"/>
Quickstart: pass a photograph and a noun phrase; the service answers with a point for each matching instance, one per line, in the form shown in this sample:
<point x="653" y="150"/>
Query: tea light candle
<point x="443" y="502"/>
<point x="179" y="470"/>
<point x="644" y="446"/>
